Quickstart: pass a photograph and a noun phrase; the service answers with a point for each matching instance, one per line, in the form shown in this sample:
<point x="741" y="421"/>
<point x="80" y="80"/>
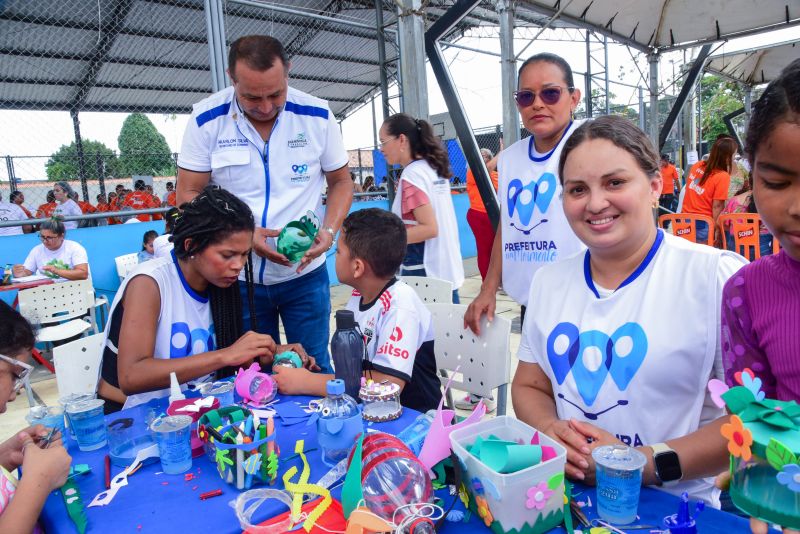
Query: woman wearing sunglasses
<point x="533" y="231"/>
<point x="46" y="464"/>
<point x="56" y="257"/>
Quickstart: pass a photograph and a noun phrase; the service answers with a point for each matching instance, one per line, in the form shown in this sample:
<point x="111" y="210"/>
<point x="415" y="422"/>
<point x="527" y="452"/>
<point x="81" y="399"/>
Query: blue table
<point x="166" y="503"/>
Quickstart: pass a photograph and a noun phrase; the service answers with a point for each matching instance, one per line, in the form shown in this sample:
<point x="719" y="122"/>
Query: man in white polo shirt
<point x="275" y="148"/>
<point x="11" y="212"/>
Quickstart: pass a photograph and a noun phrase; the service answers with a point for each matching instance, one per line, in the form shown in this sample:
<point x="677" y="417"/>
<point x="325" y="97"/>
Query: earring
<point x="191" y="257"/>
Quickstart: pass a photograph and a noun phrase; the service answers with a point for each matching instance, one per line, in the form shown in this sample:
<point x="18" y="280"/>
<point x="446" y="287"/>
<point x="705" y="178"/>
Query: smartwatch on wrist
<point x="667" y="464"/>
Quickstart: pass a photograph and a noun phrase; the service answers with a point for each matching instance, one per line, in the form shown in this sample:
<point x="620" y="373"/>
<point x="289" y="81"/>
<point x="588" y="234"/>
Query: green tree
<point x="142" y="148"/>
<point x="719" y="97"/>
<point x="63" y="164"/>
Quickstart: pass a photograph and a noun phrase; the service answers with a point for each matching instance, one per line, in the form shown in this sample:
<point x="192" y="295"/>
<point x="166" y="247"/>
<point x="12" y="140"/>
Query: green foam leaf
<point x="778" y="455"/>
<point x="555" y="481"/>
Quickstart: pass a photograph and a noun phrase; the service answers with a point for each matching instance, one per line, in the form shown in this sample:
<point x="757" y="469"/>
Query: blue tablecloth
<point x="167" y="503"/>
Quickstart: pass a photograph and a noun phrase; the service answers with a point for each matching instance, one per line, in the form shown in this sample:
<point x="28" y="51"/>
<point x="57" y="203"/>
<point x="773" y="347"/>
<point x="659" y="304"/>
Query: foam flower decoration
<point x="483" y="511"/>
<point x="754" y="385"/>
<point x="790" y="477"/>
<point x="202" y="433"/>
<point x="739" y="438"/>
<point x="477" y="487"/>
<point x="538" y="495"/>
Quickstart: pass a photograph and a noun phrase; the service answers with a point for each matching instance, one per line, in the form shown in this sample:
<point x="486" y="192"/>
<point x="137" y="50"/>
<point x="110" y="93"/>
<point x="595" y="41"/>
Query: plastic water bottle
<point x="414" y="435"/>
<point x="336" y="440"/>
<point x="347" y="349"/>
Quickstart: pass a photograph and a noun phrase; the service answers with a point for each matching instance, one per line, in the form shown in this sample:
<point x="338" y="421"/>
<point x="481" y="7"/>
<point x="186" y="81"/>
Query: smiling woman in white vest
<point x="598" y="364"/>
<point x="423" y="199"/>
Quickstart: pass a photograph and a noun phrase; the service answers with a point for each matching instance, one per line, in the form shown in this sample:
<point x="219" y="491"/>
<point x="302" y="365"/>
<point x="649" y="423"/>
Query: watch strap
<point x="660" y="448"/>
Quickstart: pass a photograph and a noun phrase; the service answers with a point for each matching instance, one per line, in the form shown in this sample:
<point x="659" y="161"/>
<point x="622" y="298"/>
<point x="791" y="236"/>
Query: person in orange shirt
<point x="103" y="206"/>
<point x="155" y="202"/>
<point x="708" y="182"/>
<point x="44" y="211"/>
<point x="171" y="199"/>
<point x="477" y="218"/>
<point x="672" y="184"/>
<point x="82" y="204"/>
<point x="140" y="199"/>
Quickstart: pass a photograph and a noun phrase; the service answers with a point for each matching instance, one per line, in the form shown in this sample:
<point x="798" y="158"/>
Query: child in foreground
<point x="45" y="466"/>
<point x="397" y="326"/>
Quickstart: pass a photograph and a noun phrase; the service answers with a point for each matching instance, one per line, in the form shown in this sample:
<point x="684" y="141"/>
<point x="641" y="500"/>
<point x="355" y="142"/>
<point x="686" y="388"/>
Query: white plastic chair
<point x="96" y="302"/>
<point x="125" y="264"/>
<point x="78" y="365"/>
<point x="61" y="305"/>
<point x="484" y="362"/>
<point x="430" y="290"/>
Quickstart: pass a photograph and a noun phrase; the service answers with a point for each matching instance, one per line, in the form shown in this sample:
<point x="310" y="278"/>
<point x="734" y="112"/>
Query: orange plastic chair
<point x="745" y="228"/>
<point x="685" y="225"/>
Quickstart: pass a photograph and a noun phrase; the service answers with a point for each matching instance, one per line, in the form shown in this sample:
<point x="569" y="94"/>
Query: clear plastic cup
<point x="68" y="399"/>
<point x="49" y="417"/>
<point x="619" y="482"/>
<point x="125" y="439"/>
<point x="88" y="423"/>
<point x="173" y="434"/>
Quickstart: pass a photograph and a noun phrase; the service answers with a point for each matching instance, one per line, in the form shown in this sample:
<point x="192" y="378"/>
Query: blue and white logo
<point x="300" y="169"/>
<point x="522" y="199"/>
<point x="593" y="355"/>
<point x="184" y="342"/>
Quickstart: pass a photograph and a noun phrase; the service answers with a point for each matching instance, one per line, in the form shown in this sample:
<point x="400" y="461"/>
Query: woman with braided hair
<point x="183" y="313"/>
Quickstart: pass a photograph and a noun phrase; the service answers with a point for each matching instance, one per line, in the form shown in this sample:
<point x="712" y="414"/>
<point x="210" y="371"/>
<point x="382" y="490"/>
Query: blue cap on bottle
<point x="335" y="387"/>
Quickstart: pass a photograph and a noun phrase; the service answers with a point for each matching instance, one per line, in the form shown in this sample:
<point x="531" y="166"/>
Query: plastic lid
<point x="170" y="423"/>
<point x="335" y="387"/>
<point x="619" y="457"/>
<point x="85" y="405"/>
<point x="345" y="320"/>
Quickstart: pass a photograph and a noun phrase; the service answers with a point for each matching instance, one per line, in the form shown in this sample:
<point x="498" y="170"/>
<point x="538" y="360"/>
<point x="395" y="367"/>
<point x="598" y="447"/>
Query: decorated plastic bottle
<point x="338" y="405"/>
<point x="347" y="349"/>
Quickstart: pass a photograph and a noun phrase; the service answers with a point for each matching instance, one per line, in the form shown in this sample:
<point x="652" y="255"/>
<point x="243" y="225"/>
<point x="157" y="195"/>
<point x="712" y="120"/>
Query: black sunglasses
<point x="548" y="95"/>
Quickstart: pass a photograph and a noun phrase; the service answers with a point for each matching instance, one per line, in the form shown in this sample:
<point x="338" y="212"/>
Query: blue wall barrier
<point x="104" y="243"/>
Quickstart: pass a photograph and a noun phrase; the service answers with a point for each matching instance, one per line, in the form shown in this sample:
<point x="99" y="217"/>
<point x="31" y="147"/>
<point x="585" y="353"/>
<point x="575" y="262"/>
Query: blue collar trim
<point x="201" y="298"/>
<point x="587" y="268"/>
<point x="532" y="148"/>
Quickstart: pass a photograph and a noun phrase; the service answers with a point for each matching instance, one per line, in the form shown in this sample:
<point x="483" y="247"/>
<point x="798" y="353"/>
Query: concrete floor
<point x="45" y="384"/>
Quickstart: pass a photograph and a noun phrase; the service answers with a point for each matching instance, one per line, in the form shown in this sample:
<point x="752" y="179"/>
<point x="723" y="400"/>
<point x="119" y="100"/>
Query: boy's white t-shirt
<point x="533" y="226"/>
<point x="617" y="359"/>
<point x="70" y="253"/>
<point x="398" y="330"/>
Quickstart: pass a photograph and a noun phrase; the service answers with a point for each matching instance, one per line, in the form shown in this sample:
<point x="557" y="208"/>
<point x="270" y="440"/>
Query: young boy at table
<point x="397" y="326"/>
<point x="45" y="465"/>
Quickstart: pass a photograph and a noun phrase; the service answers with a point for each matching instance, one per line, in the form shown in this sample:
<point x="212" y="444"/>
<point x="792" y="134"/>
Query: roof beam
<point x="99" y="53"/>
<point x="18" y="52"/>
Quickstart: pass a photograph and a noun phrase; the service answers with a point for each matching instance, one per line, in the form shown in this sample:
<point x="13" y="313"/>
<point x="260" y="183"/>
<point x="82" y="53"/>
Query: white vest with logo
<point x="533" y="226"/>
<point x="185" y="326"/>
<point x="620" y="361"/>
<point x="443" y="252"/>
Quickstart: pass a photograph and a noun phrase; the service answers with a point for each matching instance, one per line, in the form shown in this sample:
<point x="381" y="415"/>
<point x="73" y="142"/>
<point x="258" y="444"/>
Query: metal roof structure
<point x="754" y="66"/>
<point x="153" y="55"/>
<point x="664" y="25"/>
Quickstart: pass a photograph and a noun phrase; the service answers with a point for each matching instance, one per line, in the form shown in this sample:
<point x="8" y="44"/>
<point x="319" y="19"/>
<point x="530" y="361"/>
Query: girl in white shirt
<point x="600" y="345"/>
<point x="423" y="199"/>
<point x="65" y="206"/>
